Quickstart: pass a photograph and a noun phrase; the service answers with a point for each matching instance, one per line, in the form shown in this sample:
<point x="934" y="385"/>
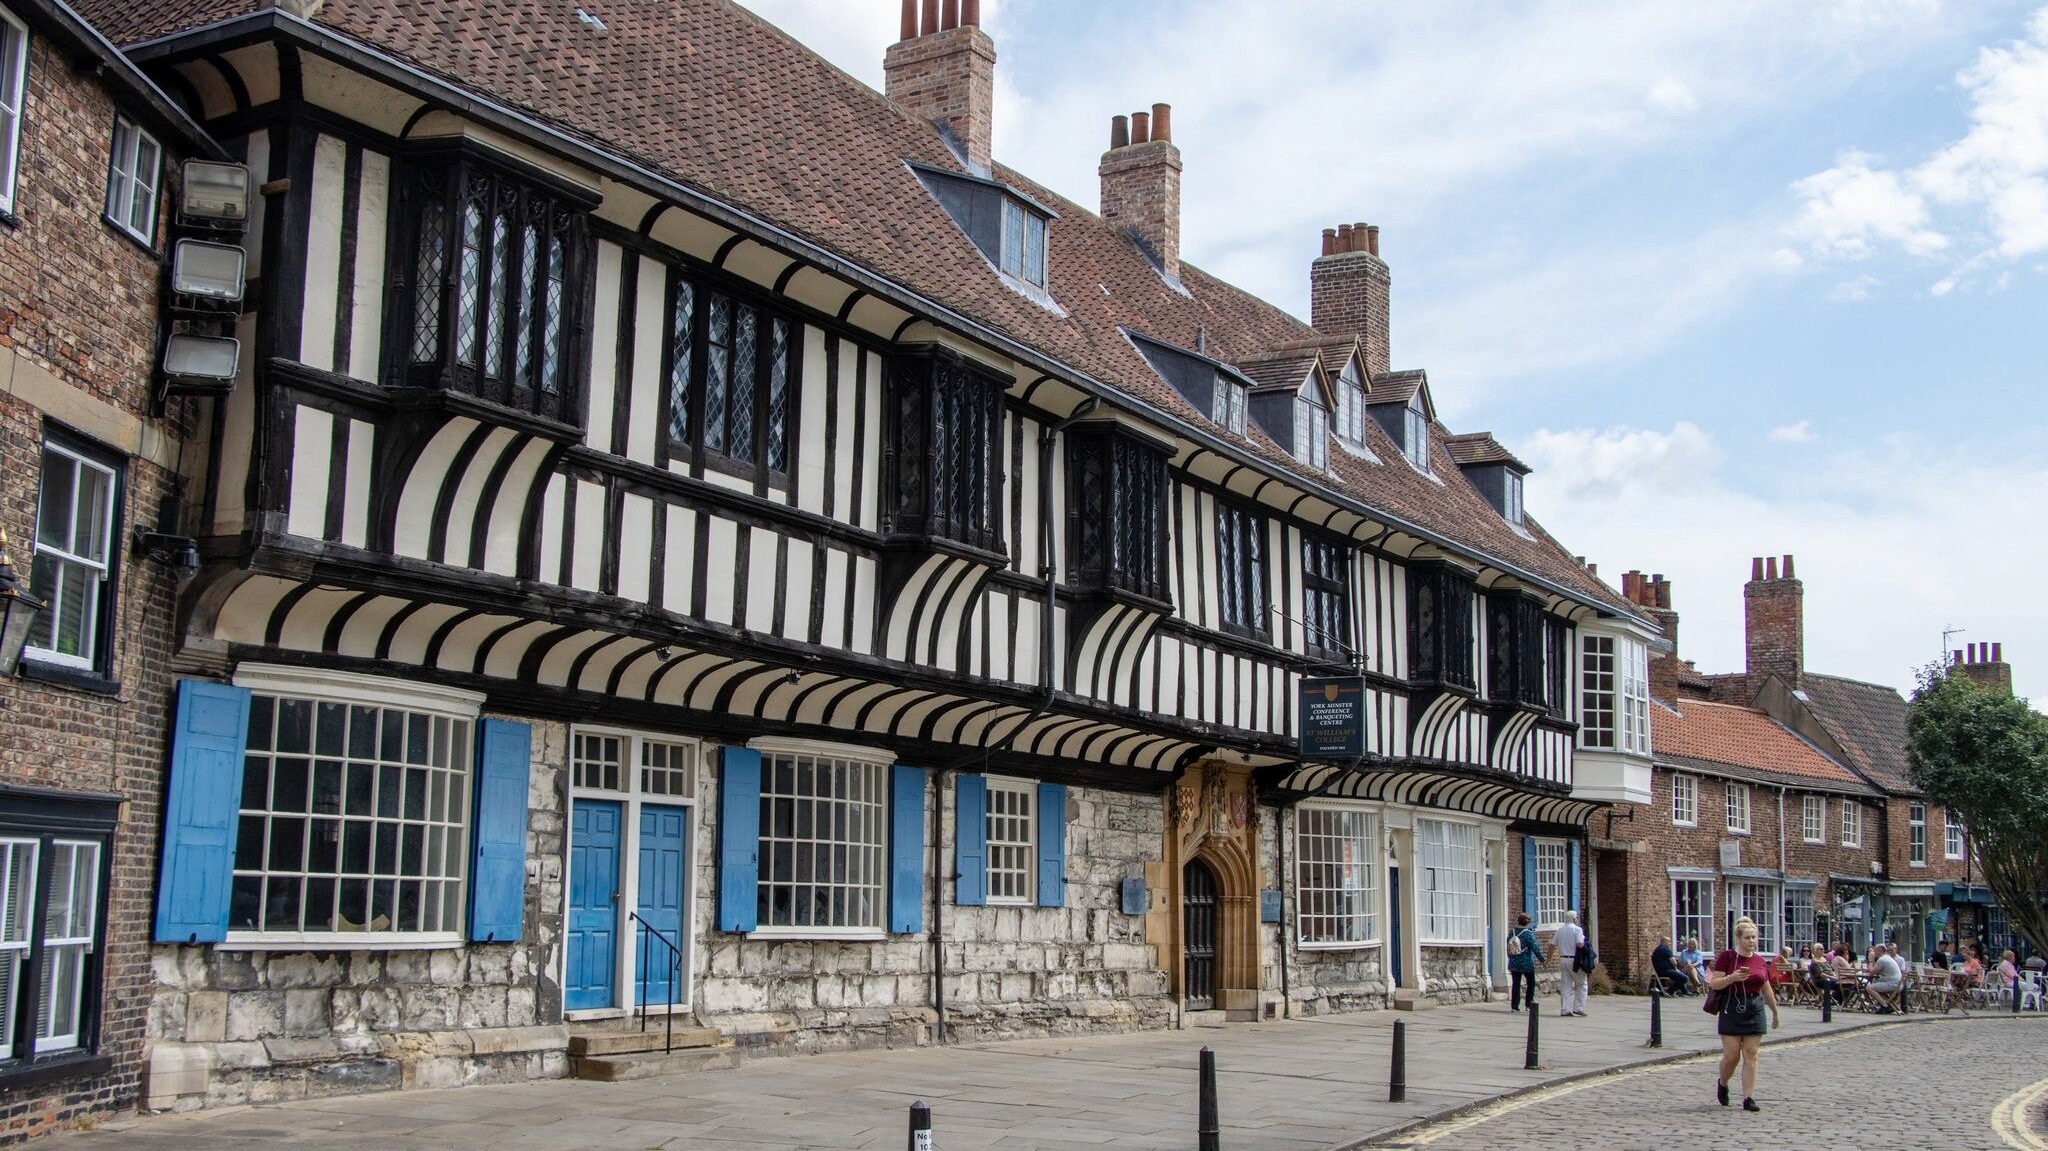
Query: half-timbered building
<point x="693" y="531"/>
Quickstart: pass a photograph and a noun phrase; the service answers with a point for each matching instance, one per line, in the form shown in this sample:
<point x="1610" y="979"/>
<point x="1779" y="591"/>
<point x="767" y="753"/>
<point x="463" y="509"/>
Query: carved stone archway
<point x="1212" y="815"/>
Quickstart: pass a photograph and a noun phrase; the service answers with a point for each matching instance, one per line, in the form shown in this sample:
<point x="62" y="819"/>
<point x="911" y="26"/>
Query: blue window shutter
<point x="970" y="841"/>
<point x="1571" y="892"/>
<point x="739" y="839"/>
<point x="497" y="876"/>
<point x="1052" y="845"/>
<point x="906" y="849"/>
<point x="200" y="812"/>
<point x="1529" y="877"/>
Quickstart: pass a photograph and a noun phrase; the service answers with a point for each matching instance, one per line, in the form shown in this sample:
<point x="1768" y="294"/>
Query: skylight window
<point x="1229" y="406"/>
<point x="1023" y="245"/>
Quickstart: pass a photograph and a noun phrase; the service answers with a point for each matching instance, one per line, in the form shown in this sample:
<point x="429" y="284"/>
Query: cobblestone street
<point x="1926" y="1084"/>
<point x="1303" y="1085"/>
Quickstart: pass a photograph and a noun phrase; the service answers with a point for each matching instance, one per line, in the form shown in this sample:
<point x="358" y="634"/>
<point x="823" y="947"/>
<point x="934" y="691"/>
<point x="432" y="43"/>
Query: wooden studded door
<point x="1198" y="936"/>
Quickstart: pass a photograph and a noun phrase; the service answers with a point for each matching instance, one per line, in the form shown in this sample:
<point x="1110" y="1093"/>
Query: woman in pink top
<point x="1743" y="979"/>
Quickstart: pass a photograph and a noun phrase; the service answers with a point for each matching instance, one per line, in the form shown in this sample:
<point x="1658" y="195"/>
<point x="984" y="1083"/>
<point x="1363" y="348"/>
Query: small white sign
<point x="1731" y="853"/>
<point x="921" y="1141"/>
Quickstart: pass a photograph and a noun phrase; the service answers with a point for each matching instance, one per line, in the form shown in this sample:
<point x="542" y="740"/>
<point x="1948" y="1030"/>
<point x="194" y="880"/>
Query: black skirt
<point x="1742" y="1013"/>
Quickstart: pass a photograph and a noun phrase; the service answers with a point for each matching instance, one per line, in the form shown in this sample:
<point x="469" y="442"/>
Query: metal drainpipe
<point x="938" y="906"/>
<point x="1280" y="833"/>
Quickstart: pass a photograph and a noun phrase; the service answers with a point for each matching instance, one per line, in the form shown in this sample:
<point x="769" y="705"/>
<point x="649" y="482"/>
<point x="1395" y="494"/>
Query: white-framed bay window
<point x="824" y="843"/>
<point x="1614" y="694"/>
<point x="355" y="812"/>
<point x="1553" y="883"/>
<point x="1337" y="885"/>
<point x="1448" y="886"/>
<point x="1685" y="801"/>
<point x="1012" y="844"/>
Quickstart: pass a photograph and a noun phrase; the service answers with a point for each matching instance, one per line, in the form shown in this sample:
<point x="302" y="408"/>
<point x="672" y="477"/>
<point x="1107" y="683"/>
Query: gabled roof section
<point x="1478" y="449"/>
<point x="138" y="95"/>
<point x="1869" y="721"/>
<point x="1743" y="741"/>
<point x="1400" y="387"/>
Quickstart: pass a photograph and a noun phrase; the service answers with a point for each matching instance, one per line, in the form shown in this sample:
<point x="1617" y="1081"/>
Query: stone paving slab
<point x="1289" y="1085"/>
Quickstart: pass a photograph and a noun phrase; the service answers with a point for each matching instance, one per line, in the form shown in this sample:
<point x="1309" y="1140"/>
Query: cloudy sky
<point x="1740" y="278"/>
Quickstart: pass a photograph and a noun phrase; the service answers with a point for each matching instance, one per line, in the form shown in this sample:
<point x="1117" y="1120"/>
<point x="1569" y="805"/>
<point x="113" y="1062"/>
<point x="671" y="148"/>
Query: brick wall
<point x="77" y="330"/>
<point x="1350" y="294"/>
<point x="1141" y="191"/>
<point x="1774" y="611"/>
<point x="948" y="76"/>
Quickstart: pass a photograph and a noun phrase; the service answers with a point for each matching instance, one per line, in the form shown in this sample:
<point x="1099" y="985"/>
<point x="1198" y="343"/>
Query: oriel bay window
<point x="1241" y="569"/>
<point x="731" y="367"/>
<point x="496" y="268"/>
<point x="1614" y="694"/>
<point x="54" y="851"/>
<point x="943" y="450"/>
<point x="1326" y="599"/>
<point x="1117" y="506"/>
<point x="1440" y="611"/>
<point x="1514" y="649"/>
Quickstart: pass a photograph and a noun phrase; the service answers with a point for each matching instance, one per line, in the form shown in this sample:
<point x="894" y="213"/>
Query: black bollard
<point x="920" y="1126"/>
<point x="1529" y="1060"/>
<point x="1656" y="1014"/>
<point x="1397" y="1079"/>
<point x="1827" y="1005"/>
<point x="1208" y="1136"/>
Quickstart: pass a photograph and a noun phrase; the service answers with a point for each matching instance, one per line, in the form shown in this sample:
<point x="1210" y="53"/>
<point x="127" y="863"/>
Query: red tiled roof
<point x="717" y="99"/>
<point x="1743" y="739"/>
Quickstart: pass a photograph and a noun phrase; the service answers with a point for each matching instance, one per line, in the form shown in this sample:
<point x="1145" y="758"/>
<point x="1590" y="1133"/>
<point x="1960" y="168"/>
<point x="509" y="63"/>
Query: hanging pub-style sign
<point x="1332" y="718"/>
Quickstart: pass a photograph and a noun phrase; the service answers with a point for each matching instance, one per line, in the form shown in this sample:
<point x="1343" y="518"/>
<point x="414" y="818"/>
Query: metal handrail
<point x="675" y="958"/>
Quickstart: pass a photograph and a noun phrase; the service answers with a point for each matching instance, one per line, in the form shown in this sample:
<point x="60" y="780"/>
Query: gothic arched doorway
<point x="1199" y="914"/>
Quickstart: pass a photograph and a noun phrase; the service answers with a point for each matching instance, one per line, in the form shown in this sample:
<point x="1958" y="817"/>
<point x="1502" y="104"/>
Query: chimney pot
<point x="1372" y="239"/>
<point x="949" y="17"/>
<point x="1162" y="122"/>
<point x="909" y="20"/>
<point x="930" y="23"/>
<point x="1592" y="569"/>
<point x="947" y="81"/>
<point x="1344" y="237"/>
<point x="1350" y="298"/>
<point x="1119" y="132"/>
<point x="1141" y="127"/>
<point x="1788" y="567"/>
<point x="1664" y="594"/>
<point x="1958" y="660"/>
<point x="1756" y="568"/>
<point x="1998" y="653"/>
<point x="1141" y="189"/>
<point x="1329" y="241"/>
<point x="970" y="13"/>
<point x="1770" y="567"/>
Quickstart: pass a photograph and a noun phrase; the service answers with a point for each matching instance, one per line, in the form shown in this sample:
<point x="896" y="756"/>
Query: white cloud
<point x="1668" y="95"/>
<point x="1859" y="288"/>
<point x="1799" y="433"/>
<point x="1664" y="501"/>
<point x="1991" y="184"/>
<point x="1850" y="211"/>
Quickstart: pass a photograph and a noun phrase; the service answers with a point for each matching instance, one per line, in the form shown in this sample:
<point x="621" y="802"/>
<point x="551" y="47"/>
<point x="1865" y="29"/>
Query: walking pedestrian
<point x="1523" y="952"/>
<point x="1571" y="982"/>
<point x="1743" y="979"/>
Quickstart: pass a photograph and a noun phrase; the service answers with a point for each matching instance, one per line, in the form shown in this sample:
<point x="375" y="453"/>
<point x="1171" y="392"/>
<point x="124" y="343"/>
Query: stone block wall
<point x="1009" y="972"/>
<point x="239" y="1026"/>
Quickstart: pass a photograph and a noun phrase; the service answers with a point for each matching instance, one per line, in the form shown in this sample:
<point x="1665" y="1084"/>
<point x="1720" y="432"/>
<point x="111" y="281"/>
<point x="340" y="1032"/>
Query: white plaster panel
<point x="312" y="461"/>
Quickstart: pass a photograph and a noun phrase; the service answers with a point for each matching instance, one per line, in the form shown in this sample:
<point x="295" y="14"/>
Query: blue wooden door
<point x="594" y="829"/>
<point x="663" y="898"/>
<point x="1394" y="922"/>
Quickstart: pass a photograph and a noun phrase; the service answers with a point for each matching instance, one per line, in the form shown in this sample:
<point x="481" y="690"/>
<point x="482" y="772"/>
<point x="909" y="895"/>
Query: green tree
<point x="1983" y="754"/>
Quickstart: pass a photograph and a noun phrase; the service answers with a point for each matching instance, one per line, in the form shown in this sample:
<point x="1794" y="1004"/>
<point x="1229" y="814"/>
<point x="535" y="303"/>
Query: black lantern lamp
<point x="18" y="611"/>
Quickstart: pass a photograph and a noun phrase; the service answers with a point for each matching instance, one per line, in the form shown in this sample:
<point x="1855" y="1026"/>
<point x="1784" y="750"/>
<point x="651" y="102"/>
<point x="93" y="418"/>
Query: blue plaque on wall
<point x="1269" y="906"/>
<point x="1135" y="896"/>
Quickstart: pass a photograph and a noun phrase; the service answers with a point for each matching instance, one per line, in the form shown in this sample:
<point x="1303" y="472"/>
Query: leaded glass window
<point x="730" y="369"/>
<point x="1117" y="509"/>
<point x="1326" y="599"/>
<point x="943" y="451"/>
<point x="1241" y="569"/>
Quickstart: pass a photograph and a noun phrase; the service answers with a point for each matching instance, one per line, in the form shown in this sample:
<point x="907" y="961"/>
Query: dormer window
<point x="1511" y="506"/>
<point x="1311" y="433"/>
<point x="1415" y="433"/>
<point x="1023" y="246"/>
<point x="1230" y="403"/>
<point x="1351" y="408"/>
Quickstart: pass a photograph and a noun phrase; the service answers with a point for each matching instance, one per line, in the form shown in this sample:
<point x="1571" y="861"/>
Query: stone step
<point x="1406" y="999"/>
<point x="650" y="1064"/>
<point x="621" y="1039"/>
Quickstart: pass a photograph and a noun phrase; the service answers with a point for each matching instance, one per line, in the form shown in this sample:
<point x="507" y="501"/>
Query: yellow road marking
<point x="2011" y="1118"/>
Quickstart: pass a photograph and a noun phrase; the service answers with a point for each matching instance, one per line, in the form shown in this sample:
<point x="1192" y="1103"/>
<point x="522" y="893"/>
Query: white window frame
<point x="1916" y="834"/>
<point x="1449" y="916"/>
<point x="1813" y="818"/>
<point x="1701" y="922"/>
<point x="14" y="41"/>
<point x="1312" y="432"/>
<point x="1024" y="795"/>
<point x="20" y="878"/>
<point x="423" y="698"/>
<point x="1799" y="914"/>
<point x="1511" y="496"/>
<point x="75" y="945"/>
<point x="1685" y="800"/>
<point x="1349" y="423"/>
<point x="1015" y="256"/>
<point x="1951" y="835"/>
<point x="1354" y="864"/>
<point x="874" y="761"/>
<point x="1632" y="663"/>
<point x="1553" y="883"/>
<point x="1738" y="813"/>
<point x="1852" y="823"/>
<point x="1614" y="694"/>
<point x="128" y="193"/>
<point x="1415" y="431"/>
<point x="99" y="572"/>
<point x="1764" y="904"/>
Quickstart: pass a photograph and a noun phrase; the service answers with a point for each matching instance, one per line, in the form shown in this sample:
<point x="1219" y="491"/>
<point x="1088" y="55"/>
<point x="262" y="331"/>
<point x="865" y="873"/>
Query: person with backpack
<point x="1523" y="954"/>
<point x="1739" y="990"/>
<point x="1574" y="965"/>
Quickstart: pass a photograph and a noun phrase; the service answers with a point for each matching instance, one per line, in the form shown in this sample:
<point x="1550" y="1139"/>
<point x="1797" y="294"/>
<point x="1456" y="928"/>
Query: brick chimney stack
<point x="1985" y="663"/>
<point x="1141" y="185"/>
<point x="1774" y="623"/>
<point x="1350" y="290"/>
<point x="1652" y="593"/>
<point x="944" y="71"/>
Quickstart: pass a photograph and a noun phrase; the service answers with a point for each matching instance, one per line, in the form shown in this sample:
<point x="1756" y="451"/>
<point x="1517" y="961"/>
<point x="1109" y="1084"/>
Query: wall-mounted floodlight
<point x="214" y="193"/>
<point x="208" y="271"/>
<point x="201" y="365"/>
